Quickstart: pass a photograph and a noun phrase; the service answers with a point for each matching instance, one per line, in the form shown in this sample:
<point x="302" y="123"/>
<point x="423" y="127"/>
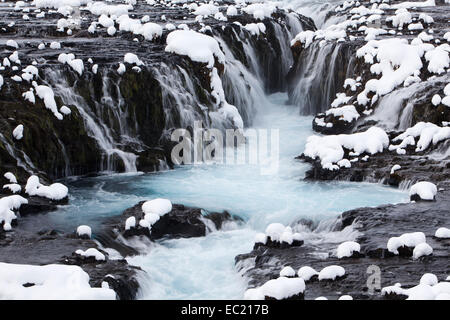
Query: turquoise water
<point x="203" y="268"/>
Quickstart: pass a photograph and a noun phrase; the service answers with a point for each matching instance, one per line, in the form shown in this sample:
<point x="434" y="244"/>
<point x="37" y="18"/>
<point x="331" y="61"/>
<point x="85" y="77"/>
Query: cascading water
<point x="96" y="126"/>
<point x="203" y="268"/>
<point x="319" y="76"/>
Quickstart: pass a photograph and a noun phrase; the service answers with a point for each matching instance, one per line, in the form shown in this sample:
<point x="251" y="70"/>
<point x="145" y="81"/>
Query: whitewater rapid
<point x="203" y="268"/>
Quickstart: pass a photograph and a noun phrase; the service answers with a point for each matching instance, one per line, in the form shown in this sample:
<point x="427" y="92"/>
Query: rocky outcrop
<point x="47" y="246"/>
<point x="374" y="226"/>
<point x="181" y="222"/>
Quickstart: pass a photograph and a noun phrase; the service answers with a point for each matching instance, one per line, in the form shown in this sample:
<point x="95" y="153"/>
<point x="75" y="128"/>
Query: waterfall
<point x="96" y="126"/>
<point x="320" y="74"/>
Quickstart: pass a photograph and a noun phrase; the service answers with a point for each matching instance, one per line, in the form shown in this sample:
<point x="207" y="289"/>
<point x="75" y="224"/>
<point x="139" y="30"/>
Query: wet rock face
<point x="375" y="227"/>
<point x="181" y="222"/>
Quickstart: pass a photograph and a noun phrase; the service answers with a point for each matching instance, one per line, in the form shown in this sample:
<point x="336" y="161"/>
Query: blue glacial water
<point x="203" y="268"/>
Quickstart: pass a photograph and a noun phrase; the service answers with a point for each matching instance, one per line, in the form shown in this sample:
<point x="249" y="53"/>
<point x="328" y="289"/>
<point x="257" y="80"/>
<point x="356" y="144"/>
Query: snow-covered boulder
<point x="442" y="233"/>
<point x="307" y="273"/>
<point x="281" y="288"/>
<point x="287" y="272"/>
<point x="423" y="190"/>
<point x="348" y="249"/>
<point x="52" y="282"/>
<point x="84" y="232"/>
<point x="331" y="273"/>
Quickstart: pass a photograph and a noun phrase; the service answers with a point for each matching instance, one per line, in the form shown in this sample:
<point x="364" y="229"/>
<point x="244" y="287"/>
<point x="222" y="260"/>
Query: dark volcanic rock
<point x="181" y="222"/>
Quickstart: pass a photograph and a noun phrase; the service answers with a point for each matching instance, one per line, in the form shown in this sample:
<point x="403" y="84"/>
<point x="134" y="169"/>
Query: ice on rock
<point x="84" y="230"/>
<point x="405" y="240"/>
<point x="306" y="273"/>
<point x="18" y="132"/>
<point x="56" y="191"/>
<point x="443" y="233"/>
<point x="346" y="249"/>
<point x="287" y="272"/>
<point x="54" y="282"/>
<point x="91" y="252"/>
<point x="197" y="46"/>
<point x="422" y="249"/>
<point x="424" y="189"/>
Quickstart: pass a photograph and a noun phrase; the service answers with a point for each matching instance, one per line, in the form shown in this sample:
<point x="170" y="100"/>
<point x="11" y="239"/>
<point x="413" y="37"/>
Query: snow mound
<point x="347" y="249"/>
<point x="405" y="240"/>
<point x="197" y="46"/>
<point x="10" y="177"/>
<point x="331" y="273"/>
<point x="18" y="132"/>
<point x="329" y="149"/>
<point x="157" y="206"/>
<point x="443" y="233"/>
<point x="306" y="273"/>
<point x="91" y="252"/>
<point x="56" y="191"/>
<point x="428" y="133"/>
<point x="279" y="289"/>
<point x="287" y="272"/>
<point x="7" y="205"/>
<point x="51" y="282"/>
<point x="422" y="249"/>
<point x="84" y="230"/>
<point x="277" y="232"/>
<point x="425" y="190"/>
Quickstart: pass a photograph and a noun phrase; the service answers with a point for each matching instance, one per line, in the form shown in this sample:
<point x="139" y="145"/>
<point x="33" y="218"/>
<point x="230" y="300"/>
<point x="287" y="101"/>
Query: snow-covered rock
<point x="84" y="231"/>
<point x="443" y="233"/>
<point x="288" y="272"/>
<point x="422" y="249"/>
<point x="52" y="282"/>
<point x="279" y="289"/>
<point x="347" y="249"/>
<point x="331" y="273"/>
<point x="197" y="46"/>
<point x="56" y="191"/>
<point x="423" y="190"/>
<point x="306" y="273"/>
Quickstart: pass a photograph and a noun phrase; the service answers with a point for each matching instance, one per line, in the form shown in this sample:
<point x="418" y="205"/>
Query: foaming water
<point x="203" y="268"/>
